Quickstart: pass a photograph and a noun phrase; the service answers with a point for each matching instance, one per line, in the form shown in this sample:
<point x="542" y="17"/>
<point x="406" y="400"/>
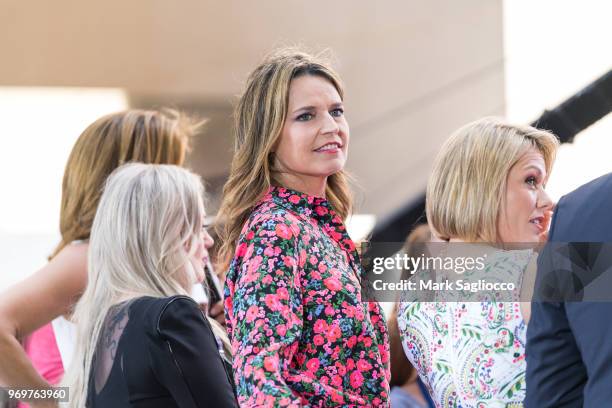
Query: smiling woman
<point x="266" y="111"/>
<point x="300" y="333"/>
<point x="315" y="136"/>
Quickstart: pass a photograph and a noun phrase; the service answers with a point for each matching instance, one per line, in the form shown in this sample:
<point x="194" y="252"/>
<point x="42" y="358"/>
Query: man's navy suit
<point x="569" y="343"/>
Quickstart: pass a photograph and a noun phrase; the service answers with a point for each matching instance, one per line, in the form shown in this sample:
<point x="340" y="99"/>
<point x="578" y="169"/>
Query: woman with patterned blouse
<point x="487" y="189"/>
<point x="300" y="332"/>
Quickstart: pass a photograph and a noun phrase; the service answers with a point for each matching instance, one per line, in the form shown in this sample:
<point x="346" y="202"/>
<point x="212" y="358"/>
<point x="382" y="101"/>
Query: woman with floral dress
<point x="300" y="332"/>
<point x="486" y="191"/>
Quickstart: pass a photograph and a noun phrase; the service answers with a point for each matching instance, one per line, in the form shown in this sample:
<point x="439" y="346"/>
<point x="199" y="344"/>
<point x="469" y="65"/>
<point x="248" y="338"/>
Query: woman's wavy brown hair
<point x="147" y="136"/>
<point x="259" y="117"/>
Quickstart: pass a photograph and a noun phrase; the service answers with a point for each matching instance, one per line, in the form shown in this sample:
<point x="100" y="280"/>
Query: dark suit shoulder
<point x="598" y="189"/>
<point x="582" y="215"/>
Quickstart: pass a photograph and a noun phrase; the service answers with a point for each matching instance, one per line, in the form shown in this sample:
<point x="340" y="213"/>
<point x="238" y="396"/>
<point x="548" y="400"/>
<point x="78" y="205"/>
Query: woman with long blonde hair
<point x="141" y="341"/>
<point x="300" y="333"/>
<point x="28" y="308"/>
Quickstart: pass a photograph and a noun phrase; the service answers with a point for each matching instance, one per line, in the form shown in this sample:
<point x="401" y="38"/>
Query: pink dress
<point x="42" y="349"/>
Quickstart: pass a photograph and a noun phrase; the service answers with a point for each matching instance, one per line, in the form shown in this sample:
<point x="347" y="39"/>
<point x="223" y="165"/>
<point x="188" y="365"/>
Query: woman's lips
<point x="332" y="147"/>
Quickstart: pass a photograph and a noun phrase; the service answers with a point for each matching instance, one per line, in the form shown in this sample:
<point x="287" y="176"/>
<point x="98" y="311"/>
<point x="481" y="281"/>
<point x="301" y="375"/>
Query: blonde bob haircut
<point x="147" y="136"/>
<point x="259" y="117"/>
<point x="142" y="238"/>
<point x="467" y="186"/>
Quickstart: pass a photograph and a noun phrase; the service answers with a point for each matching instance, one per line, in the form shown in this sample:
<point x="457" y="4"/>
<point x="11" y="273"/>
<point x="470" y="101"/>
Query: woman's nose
<point x="329" y="125"/>
<point x="544" y="200"/>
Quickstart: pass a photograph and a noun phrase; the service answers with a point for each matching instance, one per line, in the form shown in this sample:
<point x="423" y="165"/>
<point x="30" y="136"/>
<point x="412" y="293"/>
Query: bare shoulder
<point x="68" y="270"/>
<point x="73" y="256"/>
<point x="48" y="293"/>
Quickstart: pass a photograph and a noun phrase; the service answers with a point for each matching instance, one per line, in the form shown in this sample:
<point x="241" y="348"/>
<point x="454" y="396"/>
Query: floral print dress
<point x="300" y="333"/>
<point x="470" y="354"/>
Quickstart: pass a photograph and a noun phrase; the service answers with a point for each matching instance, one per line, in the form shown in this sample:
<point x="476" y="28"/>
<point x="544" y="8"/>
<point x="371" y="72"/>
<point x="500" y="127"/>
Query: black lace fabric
<point x="158" y="353"/>
<point x="106" y="351"/>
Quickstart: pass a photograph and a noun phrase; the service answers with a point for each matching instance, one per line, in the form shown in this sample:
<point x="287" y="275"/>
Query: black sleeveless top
<point x="158" y="352"/>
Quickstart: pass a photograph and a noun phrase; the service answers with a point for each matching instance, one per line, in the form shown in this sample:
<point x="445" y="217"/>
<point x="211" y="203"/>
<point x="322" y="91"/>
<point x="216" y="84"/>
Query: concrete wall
<point x="414" y="70"/>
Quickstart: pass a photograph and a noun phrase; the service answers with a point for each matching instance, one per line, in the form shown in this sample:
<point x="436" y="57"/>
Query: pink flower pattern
<point x="301" y="335"/>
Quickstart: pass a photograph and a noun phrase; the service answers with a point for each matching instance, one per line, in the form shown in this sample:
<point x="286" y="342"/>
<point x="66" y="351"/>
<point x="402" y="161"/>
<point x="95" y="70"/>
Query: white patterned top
<point x="470" y="354"/>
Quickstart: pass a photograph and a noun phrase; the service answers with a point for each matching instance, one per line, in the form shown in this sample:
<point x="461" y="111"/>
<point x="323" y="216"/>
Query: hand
<point x="217" y="312"/>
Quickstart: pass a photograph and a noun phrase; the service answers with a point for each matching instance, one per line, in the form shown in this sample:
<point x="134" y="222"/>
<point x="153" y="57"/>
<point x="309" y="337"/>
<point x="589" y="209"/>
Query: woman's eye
<point x="305" y="117"/>
<point x="337" y="112"/>
<point x="532" y="181"/>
